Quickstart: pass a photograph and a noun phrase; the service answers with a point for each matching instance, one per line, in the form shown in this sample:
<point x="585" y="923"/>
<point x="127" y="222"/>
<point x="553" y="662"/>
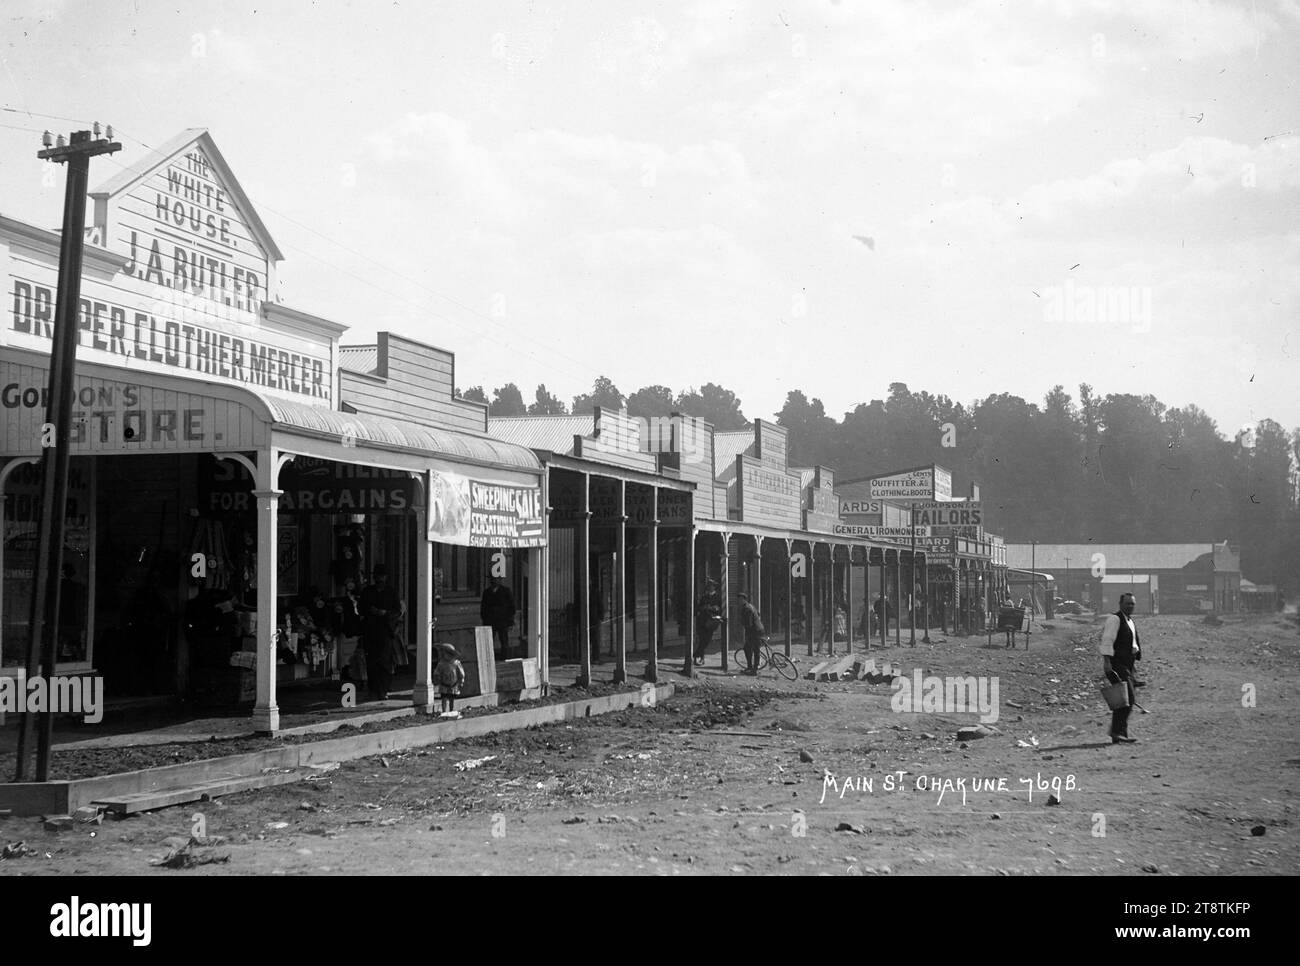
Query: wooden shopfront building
<point x="776" y="533"/>
<point x="618" y="521"/>
<point x="221" y="457"/>
<point x="961" y="567"/>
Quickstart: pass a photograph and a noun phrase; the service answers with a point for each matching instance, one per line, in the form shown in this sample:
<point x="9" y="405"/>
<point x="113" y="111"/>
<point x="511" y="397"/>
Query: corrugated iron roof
<point x="553" y="434"/>
<point x="1118" y="556"/>
<point x="359" y="358"/>
<point x="726" y="447"/>
<point x="445" y="443"/>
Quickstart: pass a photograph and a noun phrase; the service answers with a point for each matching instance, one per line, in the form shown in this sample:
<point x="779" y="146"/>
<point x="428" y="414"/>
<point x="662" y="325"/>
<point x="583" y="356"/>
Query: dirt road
<point x="731" y="777"/>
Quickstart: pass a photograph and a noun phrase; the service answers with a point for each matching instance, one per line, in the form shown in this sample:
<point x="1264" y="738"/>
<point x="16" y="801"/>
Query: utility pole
<point x="911" y="590"/>
<point x="42" y="644"/>
<point x="925" y="597"/>
<point x="1033" y="589"/>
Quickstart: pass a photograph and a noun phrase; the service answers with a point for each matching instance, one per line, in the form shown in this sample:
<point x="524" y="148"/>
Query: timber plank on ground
<point x="202" y="791"/>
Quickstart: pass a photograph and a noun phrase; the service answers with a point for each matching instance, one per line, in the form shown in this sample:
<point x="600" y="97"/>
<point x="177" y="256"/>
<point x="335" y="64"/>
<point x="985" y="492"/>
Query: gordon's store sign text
<point x="113" y="416"/>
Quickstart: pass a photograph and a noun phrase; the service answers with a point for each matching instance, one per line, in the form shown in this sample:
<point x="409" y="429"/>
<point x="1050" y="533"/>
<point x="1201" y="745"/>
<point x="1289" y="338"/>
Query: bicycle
<point x="784" y="666"/>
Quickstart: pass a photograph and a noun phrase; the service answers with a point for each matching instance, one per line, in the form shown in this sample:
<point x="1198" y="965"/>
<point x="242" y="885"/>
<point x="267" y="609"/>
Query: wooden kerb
<point x="65" y="797"/>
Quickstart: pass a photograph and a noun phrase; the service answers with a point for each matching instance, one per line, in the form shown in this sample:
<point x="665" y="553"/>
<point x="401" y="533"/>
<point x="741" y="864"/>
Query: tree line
<point x="719" y="406"/>
<point x="1118" y="468"/>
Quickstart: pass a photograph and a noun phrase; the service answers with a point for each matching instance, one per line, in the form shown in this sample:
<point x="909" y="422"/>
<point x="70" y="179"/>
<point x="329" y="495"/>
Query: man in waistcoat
<point x="1119" y="651"/>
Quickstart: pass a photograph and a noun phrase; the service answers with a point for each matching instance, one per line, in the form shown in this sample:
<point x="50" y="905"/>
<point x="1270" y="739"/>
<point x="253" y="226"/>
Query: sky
<point x="970" y="198"/>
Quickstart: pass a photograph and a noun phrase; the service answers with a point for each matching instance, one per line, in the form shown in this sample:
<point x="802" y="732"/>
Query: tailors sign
<point x="941" y="514"/>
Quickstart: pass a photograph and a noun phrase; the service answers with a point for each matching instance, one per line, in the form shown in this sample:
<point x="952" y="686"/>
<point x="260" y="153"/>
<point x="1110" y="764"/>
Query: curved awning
<point x="379" y="431"/>
<point x="178" y="413"/>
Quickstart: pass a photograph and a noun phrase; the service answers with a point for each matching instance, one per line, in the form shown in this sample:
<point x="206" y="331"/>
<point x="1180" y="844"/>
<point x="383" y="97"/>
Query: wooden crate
<point x="517" y="674"/>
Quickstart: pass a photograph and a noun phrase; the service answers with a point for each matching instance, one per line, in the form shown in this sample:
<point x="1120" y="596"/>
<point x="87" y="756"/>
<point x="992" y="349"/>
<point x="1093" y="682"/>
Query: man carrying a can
<point x="1119" y="652"/>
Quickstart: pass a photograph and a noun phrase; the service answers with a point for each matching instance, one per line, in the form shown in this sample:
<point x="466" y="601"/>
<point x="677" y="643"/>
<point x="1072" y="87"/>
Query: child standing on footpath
<point x="449" y="675"/>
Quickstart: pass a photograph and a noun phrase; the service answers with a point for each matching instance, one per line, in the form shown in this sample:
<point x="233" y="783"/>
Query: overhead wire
<point x="52" y="117"/>
<point x="15" y="127"/>
<point x="510" y="343"/>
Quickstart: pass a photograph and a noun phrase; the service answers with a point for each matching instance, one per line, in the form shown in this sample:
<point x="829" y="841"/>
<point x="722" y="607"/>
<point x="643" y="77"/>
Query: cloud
<point x="551" y="180"/>
<point x="420" y="134"/>
<point x="912" y="78"/>
<point x="244" y="56"/>
<point x="1150" y="30"/>
<point x="524" y="45"/>
<point x="1193" y="180"/>
<point x="224" y="60"/>
<point x="917" y="79"/>
<point x="26" y="14"/>
<point x="635" y="51"/>
<point x="1197" y="167"/>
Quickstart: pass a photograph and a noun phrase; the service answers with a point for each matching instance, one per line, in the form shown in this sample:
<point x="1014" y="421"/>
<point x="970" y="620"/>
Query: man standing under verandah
<point x="381" y="612"/>
<point x="708" y="618"/>
<point x="497" y="611"/>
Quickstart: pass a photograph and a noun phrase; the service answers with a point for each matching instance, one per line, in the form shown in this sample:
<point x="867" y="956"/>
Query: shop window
<point x="462" y="569"/>
<point x="21" y="519"/>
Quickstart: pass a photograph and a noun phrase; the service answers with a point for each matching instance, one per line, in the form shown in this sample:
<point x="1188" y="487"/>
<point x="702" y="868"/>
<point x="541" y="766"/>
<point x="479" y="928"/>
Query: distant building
<point x="1259" y="598"/>
<point x="1168" y="578"/>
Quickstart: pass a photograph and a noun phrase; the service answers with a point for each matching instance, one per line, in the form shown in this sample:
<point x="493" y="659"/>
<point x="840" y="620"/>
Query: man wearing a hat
<point x="497" y="611"/>
<point x="752" y="625"/>
<point x="381" y="613"/>
<point x="708" y="618"/>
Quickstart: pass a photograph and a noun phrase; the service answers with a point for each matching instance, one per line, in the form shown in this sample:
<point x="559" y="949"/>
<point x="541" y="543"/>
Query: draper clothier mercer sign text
<point x="191" y="292"/>
<point x="130" y="334"/>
